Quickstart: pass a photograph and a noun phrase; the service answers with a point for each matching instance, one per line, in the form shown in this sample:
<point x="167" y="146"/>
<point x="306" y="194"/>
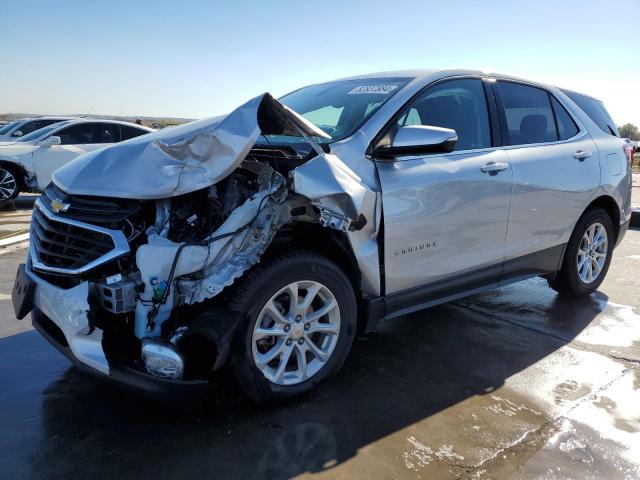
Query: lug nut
<point x="301" y="341"/>
<point x="287" y="328"/>
<point x="298" y="318"/>
<point x="288" y="342"/>
<point x="306" y="326"/>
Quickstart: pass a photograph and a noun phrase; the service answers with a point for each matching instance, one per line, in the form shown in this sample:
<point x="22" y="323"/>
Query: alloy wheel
<point x="296" y="332"/>
<point x="8" y="185"/>
<point x="592" y="253"/>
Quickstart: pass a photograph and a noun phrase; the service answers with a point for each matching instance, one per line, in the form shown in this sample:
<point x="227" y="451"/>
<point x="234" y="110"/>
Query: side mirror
<point x="17" y="133"/>
<point x="50" y="141"/>
<point x="419" y="140"/>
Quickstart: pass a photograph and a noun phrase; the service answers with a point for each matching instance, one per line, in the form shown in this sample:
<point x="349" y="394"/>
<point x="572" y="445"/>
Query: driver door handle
<point x="492" y="168"/>
<point x="581" y="155"/>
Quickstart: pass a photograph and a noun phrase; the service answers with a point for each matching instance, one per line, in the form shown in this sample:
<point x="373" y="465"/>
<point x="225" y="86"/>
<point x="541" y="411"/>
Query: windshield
<point x="8" y="127"/>
<point x="340" y="108"/>
<point x="40" y="132"/>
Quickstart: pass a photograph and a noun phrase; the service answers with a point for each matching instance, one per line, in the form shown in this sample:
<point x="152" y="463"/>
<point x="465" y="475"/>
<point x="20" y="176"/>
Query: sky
<point x="196" y="59"/>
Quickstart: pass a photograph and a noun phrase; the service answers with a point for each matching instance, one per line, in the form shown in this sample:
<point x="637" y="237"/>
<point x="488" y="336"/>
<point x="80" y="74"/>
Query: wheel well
<point x="325" y="241"/>
<point x="19" y="171"/>
<point x="609" y="205"/>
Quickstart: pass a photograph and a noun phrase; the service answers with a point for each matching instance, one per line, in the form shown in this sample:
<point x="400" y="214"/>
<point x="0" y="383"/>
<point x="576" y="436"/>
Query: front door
<point x="446" y="214"/>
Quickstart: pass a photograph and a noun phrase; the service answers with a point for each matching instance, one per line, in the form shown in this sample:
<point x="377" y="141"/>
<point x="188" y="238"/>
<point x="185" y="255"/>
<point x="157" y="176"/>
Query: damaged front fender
<point x="344" y="201"/>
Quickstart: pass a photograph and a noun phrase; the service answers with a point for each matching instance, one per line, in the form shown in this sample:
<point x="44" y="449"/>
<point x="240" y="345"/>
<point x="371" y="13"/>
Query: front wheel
<point x="9" y="186"/>
<point x="588" y="255"/>
<point x="299" y="323"/>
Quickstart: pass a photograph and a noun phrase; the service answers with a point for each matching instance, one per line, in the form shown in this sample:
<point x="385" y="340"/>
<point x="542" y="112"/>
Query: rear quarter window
<point x="128" y="132"/>
<point x="596" y="112"/>
<point x="567" y="128"/>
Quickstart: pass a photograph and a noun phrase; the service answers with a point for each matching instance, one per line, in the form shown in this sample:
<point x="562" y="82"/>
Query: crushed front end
<point x="129" y="281"/>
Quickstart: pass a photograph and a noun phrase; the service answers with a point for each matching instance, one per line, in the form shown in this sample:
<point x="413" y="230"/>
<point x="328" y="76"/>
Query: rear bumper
<point x="122" y="375"/>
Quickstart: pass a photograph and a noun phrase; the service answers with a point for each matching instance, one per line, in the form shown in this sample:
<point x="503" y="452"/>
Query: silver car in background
<point x="268" y="237"/>
<point x="24" y="126"/>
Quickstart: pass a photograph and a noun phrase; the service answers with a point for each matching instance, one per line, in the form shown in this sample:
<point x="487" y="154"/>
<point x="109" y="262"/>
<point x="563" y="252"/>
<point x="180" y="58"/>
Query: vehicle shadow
<point x="412" y="368"/>
<point x="22" y="202"/>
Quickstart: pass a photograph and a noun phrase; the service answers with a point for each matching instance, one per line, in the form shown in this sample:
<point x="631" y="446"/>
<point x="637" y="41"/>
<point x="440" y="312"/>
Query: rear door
<point x="555" y="172"/>
<point x="443" y="215"/>
<point x="76" y="140"/>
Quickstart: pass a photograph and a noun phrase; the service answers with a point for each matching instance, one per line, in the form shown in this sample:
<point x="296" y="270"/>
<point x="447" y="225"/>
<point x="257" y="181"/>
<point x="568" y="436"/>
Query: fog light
<point x="162" y="360"/>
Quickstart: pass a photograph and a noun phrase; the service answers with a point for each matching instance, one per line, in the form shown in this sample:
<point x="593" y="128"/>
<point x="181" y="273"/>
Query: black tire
<point x="13" y="173"/>
<point x="568" y="281"/>
<point x="255" y="291"/>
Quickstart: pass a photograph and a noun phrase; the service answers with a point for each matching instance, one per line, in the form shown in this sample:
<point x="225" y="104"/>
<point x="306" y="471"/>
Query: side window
<point x="127" y="132"/>
<point x="106" y="133"/>
<point x="567" y="128"/>
<point x="29" y="127"/>
<point x="76" y="134"/>
<point x="46" y="123"/>
<point x="596" y="111"/>
<point x="36" y="125"/>
<point x="457" y="104"/>
<point x="85" y="133"/>
<point x="529" y="114"/>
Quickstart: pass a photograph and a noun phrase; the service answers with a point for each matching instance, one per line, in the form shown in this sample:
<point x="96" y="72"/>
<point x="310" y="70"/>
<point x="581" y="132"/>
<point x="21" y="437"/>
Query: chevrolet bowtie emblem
<point x="59" y="206"/>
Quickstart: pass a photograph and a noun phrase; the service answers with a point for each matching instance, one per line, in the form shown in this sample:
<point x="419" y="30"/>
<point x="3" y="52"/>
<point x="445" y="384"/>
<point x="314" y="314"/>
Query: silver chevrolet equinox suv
<point x="265" y="239"/>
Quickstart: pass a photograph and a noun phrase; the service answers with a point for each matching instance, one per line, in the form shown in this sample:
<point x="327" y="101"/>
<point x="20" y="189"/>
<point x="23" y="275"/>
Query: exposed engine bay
<point x="184" y="249"/>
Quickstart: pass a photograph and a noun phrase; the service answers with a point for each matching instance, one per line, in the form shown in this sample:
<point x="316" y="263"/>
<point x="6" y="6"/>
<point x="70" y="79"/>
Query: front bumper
<point x="122" y="375"/>
<point x="60" y="316"/>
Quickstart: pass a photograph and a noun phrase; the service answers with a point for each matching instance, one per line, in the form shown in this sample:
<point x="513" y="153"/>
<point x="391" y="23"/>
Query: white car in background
<point x="24" y="126"/>
<point x="27" y="163"/>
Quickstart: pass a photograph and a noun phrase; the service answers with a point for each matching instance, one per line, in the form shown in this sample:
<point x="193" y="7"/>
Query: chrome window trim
<point x="121" y="246"/>
<point x="577" y="136"/>
<point x="434" y="155"/>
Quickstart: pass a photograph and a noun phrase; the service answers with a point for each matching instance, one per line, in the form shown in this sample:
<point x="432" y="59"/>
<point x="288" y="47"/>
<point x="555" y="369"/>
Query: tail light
<point x="628" y="151"/>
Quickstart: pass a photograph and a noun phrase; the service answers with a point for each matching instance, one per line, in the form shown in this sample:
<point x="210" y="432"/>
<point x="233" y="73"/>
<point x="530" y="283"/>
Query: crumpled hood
<point x="182" y="159"/>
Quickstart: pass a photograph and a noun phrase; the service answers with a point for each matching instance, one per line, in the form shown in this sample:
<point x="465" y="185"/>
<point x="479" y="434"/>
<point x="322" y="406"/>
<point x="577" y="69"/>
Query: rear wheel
<point x="588" y="255"/>
<point x="300" y="319"/>
<point x="9" y="185"/>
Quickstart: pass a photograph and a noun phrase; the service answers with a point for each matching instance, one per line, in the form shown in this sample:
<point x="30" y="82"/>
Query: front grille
<point x="71" y="247"/>
<point x="67" y="246"/>
<point x="97" y="210"/>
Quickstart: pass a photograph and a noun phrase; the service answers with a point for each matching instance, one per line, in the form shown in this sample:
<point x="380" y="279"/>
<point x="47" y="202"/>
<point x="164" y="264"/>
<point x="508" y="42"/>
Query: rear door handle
<point x="581" y="155"/>
<point x="492" y="168"/>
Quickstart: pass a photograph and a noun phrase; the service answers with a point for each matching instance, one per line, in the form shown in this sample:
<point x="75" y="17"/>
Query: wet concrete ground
<point x="514" y="383"/>
<point x="15" y="218"/>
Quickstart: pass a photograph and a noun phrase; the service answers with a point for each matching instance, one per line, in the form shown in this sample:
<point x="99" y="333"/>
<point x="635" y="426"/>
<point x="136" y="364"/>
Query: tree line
<point x="629" y="130"/>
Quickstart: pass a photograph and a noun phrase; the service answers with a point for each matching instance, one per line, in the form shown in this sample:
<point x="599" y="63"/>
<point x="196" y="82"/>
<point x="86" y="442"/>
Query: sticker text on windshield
<point x="367" y="89"/>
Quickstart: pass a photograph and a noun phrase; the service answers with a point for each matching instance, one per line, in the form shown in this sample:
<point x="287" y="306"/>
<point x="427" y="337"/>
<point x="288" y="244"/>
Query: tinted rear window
<point x="128" y="132"/>
<point x="529" y="114"/>
<point x="567" y="128"/>
<point x="596" y="111"/>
